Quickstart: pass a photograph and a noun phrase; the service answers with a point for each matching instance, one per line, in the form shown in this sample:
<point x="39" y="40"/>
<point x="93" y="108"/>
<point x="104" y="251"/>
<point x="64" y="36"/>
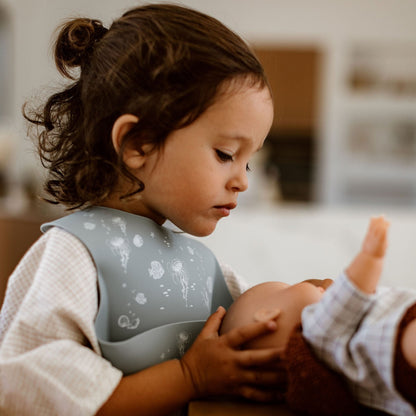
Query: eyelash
<point x="225" y="157"/>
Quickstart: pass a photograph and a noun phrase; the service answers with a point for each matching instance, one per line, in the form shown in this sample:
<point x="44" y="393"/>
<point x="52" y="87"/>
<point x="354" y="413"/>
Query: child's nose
<point x="239" y="182"/>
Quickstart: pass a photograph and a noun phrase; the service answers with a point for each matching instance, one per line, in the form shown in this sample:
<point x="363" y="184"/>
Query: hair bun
<point x="75" y="43"/>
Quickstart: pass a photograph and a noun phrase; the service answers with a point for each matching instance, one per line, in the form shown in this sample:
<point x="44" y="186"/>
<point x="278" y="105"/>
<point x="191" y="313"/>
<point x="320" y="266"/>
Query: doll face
<point x="273" y="300"/>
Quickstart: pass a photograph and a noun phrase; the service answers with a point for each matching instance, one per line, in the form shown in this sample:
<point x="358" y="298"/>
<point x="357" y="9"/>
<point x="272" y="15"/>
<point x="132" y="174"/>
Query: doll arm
<point x="330" y="325"/>
<point x="314" y="389"/>
<point x="365" y="270"/>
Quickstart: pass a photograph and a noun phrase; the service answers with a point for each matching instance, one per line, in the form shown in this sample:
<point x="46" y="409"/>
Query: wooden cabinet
<point x="294" y="79"/>
<point x="293" y="74"/>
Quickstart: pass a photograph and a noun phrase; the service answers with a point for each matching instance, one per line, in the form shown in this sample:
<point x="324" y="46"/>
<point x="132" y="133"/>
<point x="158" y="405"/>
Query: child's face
<point x="195" y="179"/>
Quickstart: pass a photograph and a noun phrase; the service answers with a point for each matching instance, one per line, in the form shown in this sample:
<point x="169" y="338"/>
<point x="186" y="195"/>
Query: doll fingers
<point x="379" y="226"/>
<point x="375" y="241"/>
<point x="380" y="220"/>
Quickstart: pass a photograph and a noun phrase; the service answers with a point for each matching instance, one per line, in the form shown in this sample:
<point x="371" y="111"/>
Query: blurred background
<point x="342" y="145"/>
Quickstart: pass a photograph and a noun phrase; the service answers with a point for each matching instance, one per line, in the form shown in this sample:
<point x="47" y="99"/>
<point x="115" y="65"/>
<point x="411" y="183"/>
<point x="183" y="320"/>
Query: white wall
<point x="325" y="23"/>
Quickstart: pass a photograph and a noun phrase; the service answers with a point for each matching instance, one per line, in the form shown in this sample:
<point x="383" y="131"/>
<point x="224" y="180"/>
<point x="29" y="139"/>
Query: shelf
<point x="370" y="105"/>
<point x="371" y="150"/>
<point x="380" y="172"/>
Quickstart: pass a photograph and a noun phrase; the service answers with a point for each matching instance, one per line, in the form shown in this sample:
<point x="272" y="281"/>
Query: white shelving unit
<point x="371" y="157"/>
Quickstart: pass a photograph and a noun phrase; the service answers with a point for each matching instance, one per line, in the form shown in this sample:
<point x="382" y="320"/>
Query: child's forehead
<point x="239" y="86"/>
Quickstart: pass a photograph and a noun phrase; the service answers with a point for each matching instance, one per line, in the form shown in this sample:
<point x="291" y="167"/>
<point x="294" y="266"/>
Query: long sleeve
<point x="330" y="324"/>
<point x="50" y="362"/>
<point x="235" y="283"/>
<point x="355" y="335"/>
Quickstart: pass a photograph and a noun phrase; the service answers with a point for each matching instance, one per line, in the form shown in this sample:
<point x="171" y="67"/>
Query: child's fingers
<point x="256" y="358"/>
<point x="260" y="394"/>
<point x="261" y="377"/>
<point x="212" y="326"/>
<point x="239" y="336"/>
<point x="279" y="370"/>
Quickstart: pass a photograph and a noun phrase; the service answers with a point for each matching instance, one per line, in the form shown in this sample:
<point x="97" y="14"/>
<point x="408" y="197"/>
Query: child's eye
<point x="248" y="169"/>
<point x="224" y="157"/>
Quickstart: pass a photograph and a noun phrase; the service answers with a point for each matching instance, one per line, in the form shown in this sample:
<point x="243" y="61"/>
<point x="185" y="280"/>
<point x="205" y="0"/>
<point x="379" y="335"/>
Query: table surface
<point x="229" y="408"/>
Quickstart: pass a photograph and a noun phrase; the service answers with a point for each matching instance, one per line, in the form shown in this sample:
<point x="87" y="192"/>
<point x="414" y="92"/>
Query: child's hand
<point x="216" y="365"/>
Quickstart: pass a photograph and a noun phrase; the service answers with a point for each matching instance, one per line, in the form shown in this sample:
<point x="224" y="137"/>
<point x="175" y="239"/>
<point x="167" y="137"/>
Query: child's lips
<point x="225" y="209"/>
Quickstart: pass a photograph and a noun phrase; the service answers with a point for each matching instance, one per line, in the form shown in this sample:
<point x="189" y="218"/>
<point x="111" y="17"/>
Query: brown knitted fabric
<point x="404" y="374"/>
<point x="314" y="389"/>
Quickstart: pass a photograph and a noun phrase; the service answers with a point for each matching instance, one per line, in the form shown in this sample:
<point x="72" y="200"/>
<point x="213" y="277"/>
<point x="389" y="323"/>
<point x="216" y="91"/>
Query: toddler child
<point x="161" y="115"/>
<point x="366" y="334"/>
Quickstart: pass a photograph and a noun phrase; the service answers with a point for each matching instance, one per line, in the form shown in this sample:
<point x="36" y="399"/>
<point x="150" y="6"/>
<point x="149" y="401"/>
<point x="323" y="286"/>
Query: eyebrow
<point x="239" y="137"/>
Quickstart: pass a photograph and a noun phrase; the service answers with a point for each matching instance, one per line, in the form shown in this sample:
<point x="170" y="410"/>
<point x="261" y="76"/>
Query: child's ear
<point x="131" y="155"/>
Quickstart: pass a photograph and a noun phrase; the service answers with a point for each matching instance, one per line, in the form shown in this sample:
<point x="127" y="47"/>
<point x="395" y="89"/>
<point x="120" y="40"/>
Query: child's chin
<point x="203" y="231"/>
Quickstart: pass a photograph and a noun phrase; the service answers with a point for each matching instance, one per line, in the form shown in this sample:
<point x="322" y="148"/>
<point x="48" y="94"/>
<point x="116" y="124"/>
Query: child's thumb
<point x="212" y="326"/>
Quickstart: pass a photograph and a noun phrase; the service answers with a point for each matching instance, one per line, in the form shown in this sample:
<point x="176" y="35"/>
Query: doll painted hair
<point x="163" y="63"/>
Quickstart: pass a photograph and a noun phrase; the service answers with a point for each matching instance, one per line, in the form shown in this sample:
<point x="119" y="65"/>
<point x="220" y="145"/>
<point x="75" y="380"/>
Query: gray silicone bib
<point x="157" y="287"/>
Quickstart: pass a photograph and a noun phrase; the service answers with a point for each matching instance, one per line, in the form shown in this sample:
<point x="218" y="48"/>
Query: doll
<point x="358" y="331"/>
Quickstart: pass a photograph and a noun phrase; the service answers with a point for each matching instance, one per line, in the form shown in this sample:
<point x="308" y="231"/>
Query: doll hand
<point x="366" y="268"/>
<point x="375" y="242"/>
<point x="216" y="365"/>
<point x="324" y="283"/>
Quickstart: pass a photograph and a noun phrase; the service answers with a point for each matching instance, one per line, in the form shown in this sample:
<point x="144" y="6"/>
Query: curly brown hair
<point x="163" y="63"/>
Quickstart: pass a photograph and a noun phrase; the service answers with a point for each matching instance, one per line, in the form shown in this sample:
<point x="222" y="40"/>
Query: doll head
<point x="274" y="300"/>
